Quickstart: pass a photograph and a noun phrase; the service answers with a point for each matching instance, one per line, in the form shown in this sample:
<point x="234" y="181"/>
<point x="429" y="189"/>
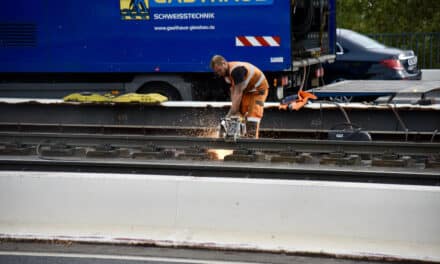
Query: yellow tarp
<point x="140" y="98"/>
<point x="150" y="98"/>
<point x="87" y="98"/>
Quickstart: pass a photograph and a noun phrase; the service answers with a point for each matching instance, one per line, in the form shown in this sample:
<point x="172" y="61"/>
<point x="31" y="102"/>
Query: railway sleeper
<point x="341" y="159"/>
<point x="291" y="156"/>
<point x="152" y="151"/>
<point x="433" y="161"/>
<point x="59" y="150"/>
<point x="107" y="151"/>
<point x="246" y="155"/>
<point x="197" y="153"/>
<point x="16" y="148"/>
<point x="393" y="160"/>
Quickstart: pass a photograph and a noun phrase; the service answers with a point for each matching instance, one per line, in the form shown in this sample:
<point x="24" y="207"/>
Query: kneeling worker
<point x="249" y="90"/>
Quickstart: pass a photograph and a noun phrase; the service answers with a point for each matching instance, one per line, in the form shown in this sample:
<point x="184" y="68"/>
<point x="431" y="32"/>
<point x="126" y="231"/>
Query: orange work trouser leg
<point x="252" y="107"/>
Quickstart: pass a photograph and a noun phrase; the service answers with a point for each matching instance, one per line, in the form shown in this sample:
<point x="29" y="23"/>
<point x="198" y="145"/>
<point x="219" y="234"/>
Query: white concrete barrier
<point x="355" y="219"/>
<point x="431" y="74"/>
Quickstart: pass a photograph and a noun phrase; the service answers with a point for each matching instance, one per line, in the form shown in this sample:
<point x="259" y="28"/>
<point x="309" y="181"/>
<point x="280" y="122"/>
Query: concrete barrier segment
<point x="353" y="219"/>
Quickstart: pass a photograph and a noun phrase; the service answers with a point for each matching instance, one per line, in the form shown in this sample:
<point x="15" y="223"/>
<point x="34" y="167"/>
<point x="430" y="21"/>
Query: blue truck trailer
<point x="51" y="48"/>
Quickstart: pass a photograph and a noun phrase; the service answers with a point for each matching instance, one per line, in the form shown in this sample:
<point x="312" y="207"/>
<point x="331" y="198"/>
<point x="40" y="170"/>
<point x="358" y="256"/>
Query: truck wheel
<point x="161" y="88"/>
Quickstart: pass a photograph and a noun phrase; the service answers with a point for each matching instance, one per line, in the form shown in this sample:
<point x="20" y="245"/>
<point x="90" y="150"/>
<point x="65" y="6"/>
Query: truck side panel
<point x="332" y="26"/>
<point x="142" y="35"/>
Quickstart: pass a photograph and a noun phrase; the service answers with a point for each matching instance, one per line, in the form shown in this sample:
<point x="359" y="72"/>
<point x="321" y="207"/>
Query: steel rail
<point x="263" y="144"/>
<point x="227" y="170"/>
<point x="204" y="131"/>
<point x="193" y="114"/>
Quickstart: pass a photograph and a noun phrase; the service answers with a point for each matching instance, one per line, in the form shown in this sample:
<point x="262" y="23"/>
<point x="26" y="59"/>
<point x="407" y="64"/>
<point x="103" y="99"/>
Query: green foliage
<point x="379" y="16"/>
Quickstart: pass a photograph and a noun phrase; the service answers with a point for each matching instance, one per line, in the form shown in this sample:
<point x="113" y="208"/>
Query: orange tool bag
<point x="301" y="100"/>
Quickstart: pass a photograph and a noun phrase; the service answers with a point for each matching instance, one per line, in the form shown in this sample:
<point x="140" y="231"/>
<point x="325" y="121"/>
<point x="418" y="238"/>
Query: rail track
<point x="262" y="144"/>
<point x="46" y="151"/>
<point x="356" y="161"/>
<point x="400" y="122"/>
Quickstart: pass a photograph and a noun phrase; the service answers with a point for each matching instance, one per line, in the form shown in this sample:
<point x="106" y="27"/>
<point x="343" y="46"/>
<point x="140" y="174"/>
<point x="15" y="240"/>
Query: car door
<point x="340" y="69"/>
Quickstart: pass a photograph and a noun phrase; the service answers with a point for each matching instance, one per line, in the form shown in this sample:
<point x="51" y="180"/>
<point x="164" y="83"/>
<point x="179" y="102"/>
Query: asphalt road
<point x="72" y="253"/>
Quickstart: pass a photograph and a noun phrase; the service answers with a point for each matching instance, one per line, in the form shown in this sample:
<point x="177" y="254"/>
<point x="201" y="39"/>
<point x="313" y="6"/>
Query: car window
<point x="361" y="40"/>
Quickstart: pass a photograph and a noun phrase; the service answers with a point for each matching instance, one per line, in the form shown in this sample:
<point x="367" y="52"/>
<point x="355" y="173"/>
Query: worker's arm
<point x="239" y="85"/>
<point x="236" y="95"/>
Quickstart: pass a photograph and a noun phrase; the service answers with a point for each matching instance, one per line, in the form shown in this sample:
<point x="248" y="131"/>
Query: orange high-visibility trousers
<point x="252" y="105"/>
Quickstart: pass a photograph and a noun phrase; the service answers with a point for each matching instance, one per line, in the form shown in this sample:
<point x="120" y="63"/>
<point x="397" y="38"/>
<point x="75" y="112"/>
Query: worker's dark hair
<point x="216" y="60"/>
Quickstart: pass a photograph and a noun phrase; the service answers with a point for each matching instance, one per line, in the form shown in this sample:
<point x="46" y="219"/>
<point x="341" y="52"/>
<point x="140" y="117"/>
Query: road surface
<point x="73" y="253"/>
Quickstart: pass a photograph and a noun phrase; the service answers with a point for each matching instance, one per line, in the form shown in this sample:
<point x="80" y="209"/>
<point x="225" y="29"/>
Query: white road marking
<point x="116" y="257"/>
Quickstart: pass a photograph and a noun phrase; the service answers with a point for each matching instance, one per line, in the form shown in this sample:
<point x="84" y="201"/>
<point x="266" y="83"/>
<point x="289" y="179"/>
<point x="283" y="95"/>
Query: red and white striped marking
<point x="257" y="41"/>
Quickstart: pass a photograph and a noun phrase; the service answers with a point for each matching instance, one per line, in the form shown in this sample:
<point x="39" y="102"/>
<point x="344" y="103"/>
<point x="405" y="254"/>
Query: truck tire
<point x="162" y="88"/>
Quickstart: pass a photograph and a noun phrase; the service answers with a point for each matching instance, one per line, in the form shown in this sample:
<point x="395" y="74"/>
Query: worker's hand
<point x="236" y="116"/>
<point x="233" y="114"/>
